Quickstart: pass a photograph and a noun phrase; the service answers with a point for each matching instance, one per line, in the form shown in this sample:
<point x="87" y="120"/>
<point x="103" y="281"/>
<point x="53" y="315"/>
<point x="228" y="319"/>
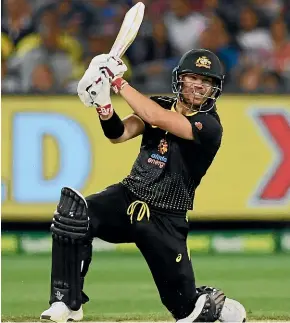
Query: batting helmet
<point x="200" y="62"/>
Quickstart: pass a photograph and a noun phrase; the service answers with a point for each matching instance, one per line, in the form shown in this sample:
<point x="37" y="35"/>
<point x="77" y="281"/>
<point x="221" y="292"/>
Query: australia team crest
<point x="163" y="147"/>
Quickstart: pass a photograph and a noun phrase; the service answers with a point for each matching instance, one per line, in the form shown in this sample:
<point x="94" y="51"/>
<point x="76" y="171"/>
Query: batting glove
<point x="94" y="91"/>
<point x="99" y="60"/>
<point x="91" y="76"/>
<point x="90" y="81"/>
<point x="114" y="69"/>
<point x="100" y="93"/>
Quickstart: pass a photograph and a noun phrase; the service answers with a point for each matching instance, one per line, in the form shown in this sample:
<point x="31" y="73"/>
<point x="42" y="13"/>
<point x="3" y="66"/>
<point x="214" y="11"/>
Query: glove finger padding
<point x="86" y="99"/>
<point x="99" y="59"/>
<point x="95" y="89"/>
<point x="102" y="101"/>
<point x="114" y="68"/>
<point x="91" y="76"/>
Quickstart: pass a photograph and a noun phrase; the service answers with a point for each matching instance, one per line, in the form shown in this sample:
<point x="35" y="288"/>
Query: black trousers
<point x="159" y="235"/>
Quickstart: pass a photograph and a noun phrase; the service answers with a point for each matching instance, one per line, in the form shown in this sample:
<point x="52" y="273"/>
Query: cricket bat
<point x="129" y="30"/>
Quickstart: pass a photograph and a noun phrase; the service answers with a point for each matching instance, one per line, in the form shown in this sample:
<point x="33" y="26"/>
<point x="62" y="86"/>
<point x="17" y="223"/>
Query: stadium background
<point x="240" y="227"/>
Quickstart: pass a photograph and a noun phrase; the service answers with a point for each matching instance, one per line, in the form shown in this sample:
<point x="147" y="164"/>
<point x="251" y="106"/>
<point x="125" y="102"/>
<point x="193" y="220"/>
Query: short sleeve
<point x="206" y="129"/>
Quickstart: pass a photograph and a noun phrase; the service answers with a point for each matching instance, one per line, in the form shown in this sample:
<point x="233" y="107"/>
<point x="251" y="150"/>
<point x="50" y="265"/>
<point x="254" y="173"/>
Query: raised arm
<point x="152" y="113"/>
<point x="144" y="107"/>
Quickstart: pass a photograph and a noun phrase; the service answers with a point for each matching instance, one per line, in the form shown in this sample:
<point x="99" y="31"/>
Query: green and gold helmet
<point x="200" y="62"/>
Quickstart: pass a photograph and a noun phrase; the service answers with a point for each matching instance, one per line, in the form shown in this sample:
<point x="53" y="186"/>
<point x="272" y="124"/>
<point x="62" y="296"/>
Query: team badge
<point x="203" y="61"/>
<point x="198" y="125"/>
<point x="163" y="146"/>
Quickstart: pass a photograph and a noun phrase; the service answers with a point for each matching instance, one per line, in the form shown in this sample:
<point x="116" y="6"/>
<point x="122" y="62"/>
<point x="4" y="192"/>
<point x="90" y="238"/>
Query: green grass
<point x="121" y="288"/>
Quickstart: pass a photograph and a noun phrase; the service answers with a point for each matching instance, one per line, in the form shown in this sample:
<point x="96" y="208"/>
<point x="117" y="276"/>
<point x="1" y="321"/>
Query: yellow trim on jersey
<point x="186" y="115"/>
<point x="143" y="210"/>
<point x="173" y="107"/>
<point x="191" y="114"/>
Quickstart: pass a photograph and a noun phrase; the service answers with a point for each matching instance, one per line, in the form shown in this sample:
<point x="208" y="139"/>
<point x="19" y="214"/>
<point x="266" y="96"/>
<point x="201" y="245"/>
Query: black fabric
<point x="71" y="249"/>
<point x="161" y="239"/>
<point x="114" y="127"/>
<point x="162" y="242"/>
<point x="71" y="216"/>
<point x="107" y="212"/>
<point x="168" y="169"/>
<point x="70" y="262"/>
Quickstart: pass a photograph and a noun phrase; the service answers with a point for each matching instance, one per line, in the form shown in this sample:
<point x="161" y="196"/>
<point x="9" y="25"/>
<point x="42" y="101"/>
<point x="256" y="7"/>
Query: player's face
<point x="196" y="88"/>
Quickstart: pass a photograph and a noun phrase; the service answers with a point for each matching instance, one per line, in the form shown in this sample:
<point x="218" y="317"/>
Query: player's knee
<point x="71" y="218"/>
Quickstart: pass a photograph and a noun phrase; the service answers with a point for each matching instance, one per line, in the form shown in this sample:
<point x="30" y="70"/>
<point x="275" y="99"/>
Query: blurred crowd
<point x="48" y="44"/>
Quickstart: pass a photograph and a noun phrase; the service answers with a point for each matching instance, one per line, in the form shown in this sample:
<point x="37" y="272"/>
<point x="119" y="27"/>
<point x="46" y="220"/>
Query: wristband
<point x="118" y="84"/>
<point x="113" y="128"/>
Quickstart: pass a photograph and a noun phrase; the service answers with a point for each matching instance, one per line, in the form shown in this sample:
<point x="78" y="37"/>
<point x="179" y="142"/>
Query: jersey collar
<point x="187" y="115"/>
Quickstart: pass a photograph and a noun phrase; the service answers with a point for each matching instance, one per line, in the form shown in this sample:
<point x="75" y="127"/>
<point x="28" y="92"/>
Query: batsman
<point x="181" y="135"/>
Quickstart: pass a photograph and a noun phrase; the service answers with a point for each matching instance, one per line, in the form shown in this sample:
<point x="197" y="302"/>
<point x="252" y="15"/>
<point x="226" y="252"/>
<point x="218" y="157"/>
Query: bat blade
<point x="129" y="30"/>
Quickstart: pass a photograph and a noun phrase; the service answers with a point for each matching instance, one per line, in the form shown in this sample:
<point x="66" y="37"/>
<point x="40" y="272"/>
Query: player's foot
<point x="232" y="311"/>
<point x="202" y="306"/>
<point x="60" y="313"/>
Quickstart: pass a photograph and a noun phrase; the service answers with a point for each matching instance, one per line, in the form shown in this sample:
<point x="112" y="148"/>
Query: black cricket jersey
<point x="168" y="168"/>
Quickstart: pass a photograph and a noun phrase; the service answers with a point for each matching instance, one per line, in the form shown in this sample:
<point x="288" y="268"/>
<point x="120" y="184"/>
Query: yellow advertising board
<point x="50" y="142"/>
